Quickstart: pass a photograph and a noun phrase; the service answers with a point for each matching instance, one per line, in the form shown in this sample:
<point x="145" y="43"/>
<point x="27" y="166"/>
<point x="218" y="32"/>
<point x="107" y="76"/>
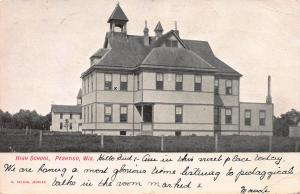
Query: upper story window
<point x="228" y="115"/>
<point x="60" y="125"/>
<point x="262" y="117"/>
<point x="60" y="115"/>
<point x="216" y="86"/>
<point x="123" y="114"/>
<point x="88" y="85"/>
<point x="92" y="83"/>
<point x="107" y="113"/>
<point x="71" y="126"/>
<point x="71" y="116"/>
<point x="247" y="117"/>
<point x="198" y="83"/>
<point x="172" y="43"/>
<point x="159" y="81"/>
<point x="123" y="82"/>
<point x="228" y="87"/>
<point x="80" y="116"/>
<point x="178" y="114"/>
<point x="107" y="81"/>
<point x="178" y="84"/>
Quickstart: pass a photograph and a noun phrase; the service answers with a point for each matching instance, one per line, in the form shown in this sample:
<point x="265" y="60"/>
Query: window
<point x="107" y="81"/>
<point x="107" y="113"/>
<point x="80" y="116"/>
<point x="172" y="43"/>
<point x="178" y="85"/>
<point x="159" y="81"/>
<point x="92" y="83"/>
<point x="247" y="117"/>
<point x="216" y="86"/>
<point x="92" y="114"/>
<point x="228" y="87"/>
<point x="88" y="114"/>
<point x="217" y="116"/>
<point x="71" y="116"/>
<point x="178" y="114"/>
<point x="71" y="126"/>
<point x="60" y="126"/>
<point x="228" y="115"/>
<point x="84" y="115"/>
<point x="88" y="88"/>
<point x="61" y="115"/>
<point x="122" y="132"/>
<point x="262" y="117"/>
<point x="123" y="82"/>
<point x="177" y="133"/>
<point x="198" y="81"/>
<point x="123" y="114"/>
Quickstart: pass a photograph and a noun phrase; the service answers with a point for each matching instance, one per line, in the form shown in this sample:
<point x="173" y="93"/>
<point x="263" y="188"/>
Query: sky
<point x="45" y="45"/>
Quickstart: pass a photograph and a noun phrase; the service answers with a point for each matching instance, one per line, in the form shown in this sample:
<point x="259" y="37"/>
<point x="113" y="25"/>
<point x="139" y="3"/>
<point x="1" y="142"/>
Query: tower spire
<point x="176" y="30"/>
<point x="158" y="30"/>
<point x="118" y="19"/>
<point x="146" y="34"/>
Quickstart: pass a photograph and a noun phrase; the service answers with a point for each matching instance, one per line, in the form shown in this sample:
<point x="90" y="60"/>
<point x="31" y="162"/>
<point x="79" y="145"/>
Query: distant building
<point x="165" y="85"/>
<point x="67" y="118"/>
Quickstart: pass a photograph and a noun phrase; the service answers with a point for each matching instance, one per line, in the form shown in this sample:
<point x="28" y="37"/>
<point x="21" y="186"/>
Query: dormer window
<point x="172" y="43"/>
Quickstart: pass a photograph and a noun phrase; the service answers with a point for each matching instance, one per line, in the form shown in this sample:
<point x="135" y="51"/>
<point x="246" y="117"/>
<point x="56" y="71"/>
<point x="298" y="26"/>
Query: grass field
<point x="16" y="140"/>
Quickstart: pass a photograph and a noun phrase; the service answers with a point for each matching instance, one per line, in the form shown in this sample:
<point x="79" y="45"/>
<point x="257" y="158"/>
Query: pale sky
<point x="45" y="44"/>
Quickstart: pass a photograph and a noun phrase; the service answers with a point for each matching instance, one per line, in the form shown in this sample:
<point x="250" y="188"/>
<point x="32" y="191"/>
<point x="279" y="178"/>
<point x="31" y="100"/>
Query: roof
<point x="118" y="14"/>
<point x="203" y="49"/>
<point x="129" y="52"/>
<point x="175" y="57"/>
<point x="158" y="27"/>
<point x="66" y="108"/>
<point x="100" y="52"/>
<point x="79" y="95"/>
<point x="164" y="37"/>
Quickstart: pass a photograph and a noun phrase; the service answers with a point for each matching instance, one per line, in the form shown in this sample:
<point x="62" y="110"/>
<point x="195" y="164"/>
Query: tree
<point x="282" y="123"/>
<point x="24" y="118"/>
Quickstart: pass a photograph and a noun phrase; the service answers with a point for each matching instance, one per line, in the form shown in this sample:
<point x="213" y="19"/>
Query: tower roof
<point x="117" y="14"/>
<point x="79" y="95"/>
<point x="158" y="27"/>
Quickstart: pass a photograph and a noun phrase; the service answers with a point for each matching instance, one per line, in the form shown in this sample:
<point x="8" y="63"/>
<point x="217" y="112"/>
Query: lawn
<point x="16" y="140"/>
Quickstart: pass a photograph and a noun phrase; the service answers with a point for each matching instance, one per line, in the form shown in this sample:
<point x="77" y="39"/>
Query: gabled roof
<point x="175" y="57"/>
<point x="66" y="108"/>
<point x="158" y="27"/>
<point x="79" y="95"/>
<point x="117" y="14"/>
<point x="129" y="52"/>
<point x="203" y="49"/>
<point x="164" y="37"/>
<point x="100" y="53"/>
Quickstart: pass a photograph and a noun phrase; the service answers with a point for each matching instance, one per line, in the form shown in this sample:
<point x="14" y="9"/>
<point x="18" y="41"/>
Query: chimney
<point x="158" y="30"/>
<point x="269" y="98"/>
<point x="176" y="30"/>
<point x="146" y="34"/>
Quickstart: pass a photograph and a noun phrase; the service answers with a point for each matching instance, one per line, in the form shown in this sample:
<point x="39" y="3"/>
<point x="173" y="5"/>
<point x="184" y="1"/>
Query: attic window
<point x="172" y="43"/>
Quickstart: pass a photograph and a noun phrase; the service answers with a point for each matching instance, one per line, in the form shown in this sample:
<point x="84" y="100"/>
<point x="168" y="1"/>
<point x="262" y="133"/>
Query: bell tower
<point x="118" y="20"/>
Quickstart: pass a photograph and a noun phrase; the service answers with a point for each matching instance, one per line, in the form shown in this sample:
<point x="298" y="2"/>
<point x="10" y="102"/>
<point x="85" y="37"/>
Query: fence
<point x="36" y="140"/>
